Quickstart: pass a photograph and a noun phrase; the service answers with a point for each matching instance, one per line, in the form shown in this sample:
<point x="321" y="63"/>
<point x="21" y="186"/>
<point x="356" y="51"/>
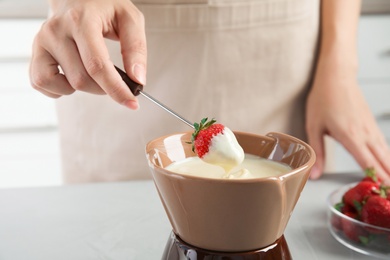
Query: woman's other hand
<point x="69" y="52"/>
<point x="336" y="105"/>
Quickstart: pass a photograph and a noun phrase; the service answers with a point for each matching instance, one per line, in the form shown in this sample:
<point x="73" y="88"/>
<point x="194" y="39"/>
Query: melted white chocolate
<point x="251" y="167"/>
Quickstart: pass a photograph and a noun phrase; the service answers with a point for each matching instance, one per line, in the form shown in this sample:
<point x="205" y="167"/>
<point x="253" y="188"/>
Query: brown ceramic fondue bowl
<point x="230" y="215"/>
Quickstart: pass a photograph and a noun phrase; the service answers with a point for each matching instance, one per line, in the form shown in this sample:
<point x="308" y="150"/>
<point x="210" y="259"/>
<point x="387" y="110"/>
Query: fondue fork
<point x="137" y="89"/>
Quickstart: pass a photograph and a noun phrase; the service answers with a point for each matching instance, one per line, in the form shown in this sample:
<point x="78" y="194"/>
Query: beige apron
<point x="246" y="63"/>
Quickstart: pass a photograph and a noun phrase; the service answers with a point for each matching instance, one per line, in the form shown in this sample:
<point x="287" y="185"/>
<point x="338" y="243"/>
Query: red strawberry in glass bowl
<point x="352" y="230"/>
<point x="359" y="216"/>
<point x="346" y="209"/>
<point x="356" y="195"/>
<point x="376" y="211"/>
<point x="216" y="144"/>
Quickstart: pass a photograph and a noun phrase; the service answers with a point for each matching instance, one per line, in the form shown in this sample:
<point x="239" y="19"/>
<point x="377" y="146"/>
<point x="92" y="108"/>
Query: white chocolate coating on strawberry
<point x="225" y="151"/>
<point x="252" y="167"/>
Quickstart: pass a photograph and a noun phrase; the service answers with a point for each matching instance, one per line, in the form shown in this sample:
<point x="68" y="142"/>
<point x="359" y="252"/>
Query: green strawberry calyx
<point x="370" y="172"/>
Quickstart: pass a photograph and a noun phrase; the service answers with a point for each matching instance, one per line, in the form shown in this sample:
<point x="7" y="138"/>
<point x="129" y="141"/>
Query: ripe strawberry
<point x="336" y="222"/>
<point x="216" y="144"/>
<point x="346" y="209"/>
<point x="204" y="132"/>
<point x="371" y="176"/>
<point x="357" y="195"/>
<point x="376" y="211"/>
<point x="352" y="230"/>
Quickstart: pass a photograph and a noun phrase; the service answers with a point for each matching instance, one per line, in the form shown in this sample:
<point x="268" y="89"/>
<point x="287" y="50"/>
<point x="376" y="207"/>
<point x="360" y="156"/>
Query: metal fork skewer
<point x="166" y="109"/>
<point x="136" y="89"/>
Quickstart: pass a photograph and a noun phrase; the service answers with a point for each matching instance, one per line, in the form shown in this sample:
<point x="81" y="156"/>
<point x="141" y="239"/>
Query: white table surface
<point x="126" y="220"/>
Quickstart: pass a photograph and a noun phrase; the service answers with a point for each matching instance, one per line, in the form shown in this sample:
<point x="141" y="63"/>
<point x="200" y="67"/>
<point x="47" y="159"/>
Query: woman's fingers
<point x="381" y="150"/>
<point x="64" y="49"/>
<point x="72" y="41"/>
<point x="369" y="149"/>
<point x="67" y="52"/>
<point x="133" y="45"/>
<point x="45" y="75"/>
<point x="95" y="58"/>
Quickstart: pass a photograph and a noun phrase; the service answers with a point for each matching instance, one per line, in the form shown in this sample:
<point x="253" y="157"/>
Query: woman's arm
<point x="335" y="105"/>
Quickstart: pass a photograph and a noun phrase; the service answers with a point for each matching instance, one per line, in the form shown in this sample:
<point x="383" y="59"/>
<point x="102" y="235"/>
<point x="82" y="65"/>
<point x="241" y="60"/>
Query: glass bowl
<point x="359" y="236"/>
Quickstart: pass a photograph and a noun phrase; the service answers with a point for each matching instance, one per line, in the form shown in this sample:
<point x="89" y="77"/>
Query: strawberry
<point x="356" y="196"/>
<point x="353" y="231"/>
<point x="204" y="133"/>
<point x="371" y="176"/>
<point x="336" y="222"/>
<point x="376" y="211"/>
<point x="346" y="209"/>
<point x="216" y="144"/>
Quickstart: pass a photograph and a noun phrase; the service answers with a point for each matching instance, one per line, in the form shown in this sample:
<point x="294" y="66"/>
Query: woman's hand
<point x="336" y="107"/>
<point x="69" y="52"/>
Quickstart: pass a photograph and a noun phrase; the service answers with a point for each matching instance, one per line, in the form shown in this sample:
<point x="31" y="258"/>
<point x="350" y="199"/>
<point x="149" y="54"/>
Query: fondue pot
<point x="229" y="218"/>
